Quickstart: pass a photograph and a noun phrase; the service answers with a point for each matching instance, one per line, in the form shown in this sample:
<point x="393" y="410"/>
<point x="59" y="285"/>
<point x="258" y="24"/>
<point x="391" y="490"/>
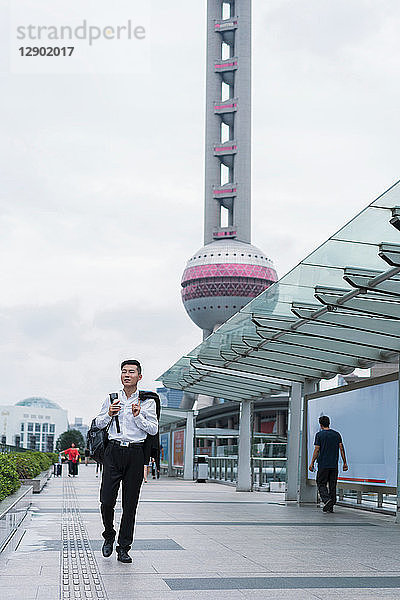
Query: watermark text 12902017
<point x="46" y="50"/>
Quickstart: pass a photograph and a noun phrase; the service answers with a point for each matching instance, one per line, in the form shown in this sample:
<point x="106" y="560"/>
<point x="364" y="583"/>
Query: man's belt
<point x="125" y="444"/>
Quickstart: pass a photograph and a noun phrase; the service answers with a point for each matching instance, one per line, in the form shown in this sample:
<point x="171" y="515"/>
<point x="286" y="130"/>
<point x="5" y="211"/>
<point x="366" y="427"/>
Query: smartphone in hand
<point x="115" y="406"/>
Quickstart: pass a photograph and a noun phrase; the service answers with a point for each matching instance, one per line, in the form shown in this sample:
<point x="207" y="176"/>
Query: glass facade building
<point x="169" y="397"/>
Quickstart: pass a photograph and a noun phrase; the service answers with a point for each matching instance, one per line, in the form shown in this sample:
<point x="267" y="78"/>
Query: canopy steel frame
<point x="285" y="367"/>
<point x="209" y="391"/>
<point x="234" y="383"/>
<point x="355" y="322"/>
<point x="361" y="278"/>
<point x="363" y="304"/>
<point x="227" y="385"/>
<point x="295" y="359"/>
<point x="330" y="332"/>
<point x="348" y="349"/>
<point x="274" y="381"/>
<point x="308" y="352"/>
<point x="254" y="369"/>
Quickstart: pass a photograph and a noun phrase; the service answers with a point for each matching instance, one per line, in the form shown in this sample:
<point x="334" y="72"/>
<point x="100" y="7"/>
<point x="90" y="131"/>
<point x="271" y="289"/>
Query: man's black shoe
<point x="107" y="548"/>
<point x="328" y="506"/>
<point x="123" y="556"/>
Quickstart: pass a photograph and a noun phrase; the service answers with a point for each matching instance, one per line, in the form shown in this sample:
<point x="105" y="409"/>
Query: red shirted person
<point x="72" y="455"/>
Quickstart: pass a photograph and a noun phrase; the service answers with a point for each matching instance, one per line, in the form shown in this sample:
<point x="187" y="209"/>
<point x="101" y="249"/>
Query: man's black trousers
<point x="121" y="464"/>
<point x="326" y="482"/>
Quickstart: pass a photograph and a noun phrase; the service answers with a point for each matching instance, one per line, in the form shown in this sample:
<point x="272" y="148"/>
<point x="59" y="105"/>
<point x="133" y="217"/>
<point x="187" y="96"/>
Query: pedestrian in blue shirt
<point x="328" y="443"/>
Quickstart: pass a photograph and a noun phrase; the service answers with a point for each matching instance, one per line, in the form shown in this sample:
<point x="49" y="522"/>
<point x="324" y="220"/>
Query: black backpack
<point x="152" y="442"/>
<point x="97" y="440"/>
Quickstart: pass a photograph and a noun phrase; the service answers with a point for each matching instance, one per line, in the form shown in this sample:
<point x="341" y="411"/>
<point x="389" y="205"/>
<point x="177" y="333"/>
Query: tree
<point x="72" y="436"/>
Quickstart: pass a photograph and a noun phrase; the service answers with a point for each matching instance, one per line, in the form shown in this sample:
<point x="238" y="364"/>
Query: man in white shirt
<point x="132" y="420"/>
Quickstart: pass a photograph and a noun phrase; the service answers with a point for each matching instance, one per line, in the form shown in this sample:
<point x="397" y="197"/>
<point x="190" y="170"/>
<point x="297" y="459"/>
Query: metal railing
<point x="222" y="468"/>
<point x="6" y="449"/>
<point x="264" y="470"/>
<point x="384" y="501"/>
<point x="175" y="471"/>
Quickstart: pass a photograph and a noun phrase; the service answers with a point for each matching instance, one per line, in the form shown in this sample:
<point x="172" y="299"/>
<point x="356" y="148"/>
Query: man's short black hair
<point x="132" y="362"/>
<point x="324" y="421"/>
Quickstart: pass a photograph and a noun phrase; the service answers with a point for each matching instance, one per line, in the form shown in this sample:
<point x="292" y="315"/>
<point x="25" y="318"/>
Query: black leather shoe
<point x="123" y="556"/>
<point x="328" y="506"/>
<point x="107" y="548"/>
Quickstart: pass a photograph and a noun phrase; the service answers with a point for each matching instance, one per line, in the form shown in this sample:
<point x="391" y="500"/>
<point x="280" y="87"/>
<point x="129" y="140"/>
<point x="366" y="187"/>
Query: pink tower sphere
<point x="221" y="278"/>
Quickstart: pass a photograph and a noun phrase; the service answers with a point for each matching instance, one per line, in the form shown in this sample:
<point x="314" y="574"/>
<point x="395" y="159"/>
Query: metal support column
<point x="293" y="446"/>
<point x="307" y="493"/>
<point x="397" y="520"/>
<point x="244" y="479"/>
<point x="170" y="455"/>
<point x="189" y="440"/>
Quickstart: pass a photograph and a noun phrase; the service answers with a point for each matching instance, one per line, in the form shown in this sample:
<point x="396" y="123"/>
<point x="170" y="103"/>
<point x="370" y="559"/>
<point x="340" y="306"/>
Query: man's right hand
<point x="114" y="409"/>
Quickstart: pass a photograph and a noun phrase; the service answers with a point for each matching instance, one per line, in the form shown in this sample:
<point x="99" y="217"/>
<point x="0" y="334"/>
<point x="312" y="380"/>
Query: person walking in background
<point x="58" y="466"/>
<point x="72" y="455"/>
<point x="328" y="443"/>
<point x="87" y="454"/>
<point x="146" y="469"/>
<point x="153" y="467"/>
<point x="150" y="468"/>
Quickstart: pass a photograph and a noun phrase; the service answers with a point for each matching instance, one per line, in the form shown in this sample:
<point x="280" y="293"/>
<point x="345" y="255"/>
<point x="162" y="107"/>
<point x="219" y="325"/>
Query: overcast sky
<point x="102" y="184"/>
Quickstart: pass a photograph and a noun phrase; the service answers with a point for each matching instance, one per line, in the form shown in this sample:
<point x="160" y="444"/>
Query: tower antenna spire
<point x="228" y="122"/>
<point x="228" y="271"/>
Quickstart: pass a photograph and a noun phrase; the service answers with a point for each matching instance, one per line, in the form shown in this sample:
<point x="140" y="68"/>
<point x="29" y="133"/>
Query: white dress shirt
<point x="133" y="429"/>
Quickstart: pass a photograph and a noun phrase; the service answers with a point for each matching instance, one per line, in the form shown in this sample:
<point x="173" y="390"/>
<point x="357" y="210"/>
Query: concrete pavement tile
<point x="356" y="594"/>
<point x="187" y="574"/>
<point x="50" y="570"/>
<point x="142" y="595"/>
<point x="111" y="567"/>
<point x="130" y="582"/>
<point x="47" y="592"/>
<point x="25" y="581"/>
<point x="382" y="563"/>
<point x="278" y="595"/>
<point x="210" y="595"/>
<point x="23" y="569"/>
<point x="21" y="559"/>
<point x="18" y="592"/>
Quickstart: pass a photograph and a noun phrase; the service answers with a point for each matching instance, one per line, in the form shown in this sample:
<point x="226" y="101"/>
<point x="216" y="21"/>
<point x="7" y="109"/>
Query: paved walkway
<point x="201" y="541"/>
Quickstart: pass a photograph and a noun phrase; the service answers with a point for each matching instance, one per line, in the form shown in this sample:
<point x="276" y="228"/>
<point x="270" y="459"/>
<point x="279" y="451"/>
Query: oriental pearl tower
<point x="228" y="271"/>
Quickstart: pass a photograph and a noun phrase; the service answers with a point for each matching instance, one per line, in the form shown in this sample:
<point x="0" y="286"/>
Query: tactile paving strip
<point x="80" y="576"/>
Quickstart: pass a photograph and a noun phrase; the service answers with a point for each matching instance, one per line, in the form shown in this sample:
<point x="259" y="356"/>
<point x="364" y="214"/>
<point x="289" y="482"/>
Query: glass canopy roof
<point x="337" y="310"/>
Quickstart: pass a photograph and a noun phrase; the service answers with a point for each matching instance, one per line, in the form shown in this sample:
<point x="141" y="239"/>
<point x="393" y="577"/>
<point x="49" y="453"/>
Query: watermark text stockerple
<point x="83" y="32"/>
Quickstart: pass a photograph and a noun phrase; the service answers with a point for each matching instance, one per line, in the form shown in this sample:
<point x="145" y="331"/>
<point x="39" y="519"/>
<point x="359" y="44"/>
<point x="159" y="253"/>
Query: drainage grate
<point x="79" y="577"/>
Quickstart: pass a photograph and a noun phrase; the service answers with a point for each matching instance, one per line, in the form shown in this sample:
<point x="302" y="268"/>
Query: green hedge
<point x="22" y="465"/>
<point x="9" y="480"/>
<point x="30" y="464"/>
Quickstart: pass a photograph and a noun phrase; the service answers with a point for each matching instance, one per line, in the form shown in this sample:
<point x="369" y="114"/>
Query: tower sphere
<point x="221" y="278"/>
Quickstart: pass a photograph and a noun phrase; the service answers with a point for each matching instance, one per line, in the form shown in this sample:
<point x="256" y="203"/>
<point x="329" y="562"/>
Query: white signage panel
<point x="367" y="420"/>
